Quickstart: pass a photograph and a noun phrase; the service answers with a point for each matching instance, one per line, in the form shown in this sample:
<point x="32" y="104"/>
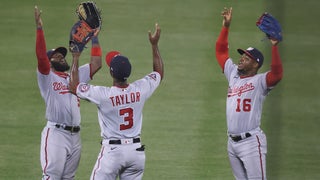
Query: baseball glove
<point x="89" y="13"/>
<point x="83" y="30"/>
<point x="80" y="34"/>
<point x="270" y="26"/>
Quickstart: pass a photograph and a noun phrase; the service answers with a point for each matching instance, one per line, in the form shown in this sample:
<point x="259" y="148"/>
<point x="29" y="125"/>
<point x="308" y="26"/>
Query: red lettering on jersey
<point x="138" y="96"/>
<point x="111" y="98"/>
<point x="125" y="99"/>
<point x="240" y="90"/>
<point x="59" y="86"/>
<point x="118" y="101"/>
<point x="121" y="98"/>
<point x="133" y="97"/>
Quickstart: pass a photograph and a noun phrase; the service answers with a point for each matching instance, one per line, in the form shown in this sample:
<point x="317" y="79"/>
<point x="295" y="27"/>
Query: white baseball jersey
<point x="120" y="109"/>
<point x="244" y="100"/>
<point x="62" y="107"/>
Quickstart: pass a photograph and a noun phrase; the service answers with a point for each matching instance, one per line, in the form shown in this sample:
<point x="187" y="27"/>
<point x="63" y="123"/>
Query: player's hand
<point x="274" y="42"/>
<point x="96" y="32"/>
<point x="154" y="38"/>
<point x="37" y="14"/>
<point x="227" y="16"/>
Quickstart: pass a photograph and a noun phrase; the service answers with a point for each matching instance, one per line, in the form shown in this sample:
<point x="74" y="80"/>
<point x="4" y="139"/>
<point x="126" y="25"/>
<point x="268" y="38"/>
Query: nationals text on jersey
<point x="125" y="98"/>
<point x="241" y="89"/>
<point x="59" y="86"/>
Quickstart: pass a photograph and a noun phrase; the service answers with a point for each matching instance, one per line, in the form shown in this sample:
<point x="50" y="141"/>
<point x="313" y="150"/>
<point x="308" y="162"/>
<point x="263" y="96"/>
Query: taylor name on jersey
<point x="125" y="98"/>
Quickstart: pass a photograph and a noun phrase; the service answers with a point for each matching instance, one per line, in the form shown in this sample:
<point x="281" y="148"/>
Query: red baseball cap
<point x="110" y="55"/>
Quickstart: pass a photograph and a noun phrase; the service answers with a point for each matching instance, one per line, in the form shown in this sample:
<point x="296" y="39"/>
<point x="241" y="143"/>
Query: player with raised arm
<point x="60" y="139"/>
<point x="120" y="113"/>
<point x="247" y="143"/>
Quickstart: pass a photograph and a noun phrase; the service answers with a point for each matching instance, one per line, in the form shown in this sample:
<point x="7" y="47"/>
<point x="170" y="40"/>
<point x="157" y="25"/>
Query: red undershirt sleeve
<point x="43" y="61"/>
<point x="222" y="51"/>
<point x="275" y="75"/>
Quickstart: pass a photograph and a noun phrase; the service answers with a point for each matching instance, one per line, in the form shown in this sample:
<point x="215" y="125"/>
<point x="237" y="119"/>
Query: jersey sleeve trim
<point x="43" y="61"/>
<point x="222" y="49"/>
<point x="275" y="75"/>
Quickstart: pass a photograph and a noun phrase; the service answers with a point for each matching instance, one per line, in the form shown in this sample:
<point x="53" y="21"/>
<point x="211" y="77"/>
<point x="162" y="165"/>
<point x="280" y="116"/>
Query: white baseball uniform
<point x="247" y="144"/>
<point x="60" y="148"/>
<point x="244" y="108"/>
<point x="120" y="119"/>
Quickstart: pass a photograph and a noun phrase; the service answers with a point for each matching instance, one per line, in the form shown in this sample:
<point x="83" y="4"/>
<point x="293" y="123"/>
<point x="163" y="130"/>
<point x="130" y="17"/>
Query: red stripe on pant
<point x="46" y="153"/>
<point x="261" y="163"/>
<point x="99" y="160"/>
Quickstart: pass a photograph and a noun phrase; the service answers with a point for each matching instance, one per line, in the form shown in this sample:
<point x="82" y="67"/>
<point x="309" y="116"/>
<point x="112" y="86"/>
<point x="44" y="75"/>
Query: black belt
<point x="73" y="129"/>
<point x="239" y="138"/>
<point x="135" y="140"/>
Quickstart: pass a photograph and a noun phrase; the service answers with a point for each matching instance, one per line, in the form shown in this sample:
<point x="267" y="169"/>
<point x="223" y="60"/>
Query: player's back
<point x="121" y="112"/>
<point x="120" y="108"/>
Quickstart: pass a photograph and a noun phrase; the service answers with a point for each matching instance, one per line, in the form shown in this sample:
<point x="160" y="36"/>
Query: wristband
<point x="96" y="51"/>
<point x="94" y="40"/>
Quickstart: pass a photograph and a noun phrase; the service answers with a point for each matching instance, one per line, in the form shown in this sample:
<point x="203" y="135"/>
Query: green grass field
<point x="184" y="121"/>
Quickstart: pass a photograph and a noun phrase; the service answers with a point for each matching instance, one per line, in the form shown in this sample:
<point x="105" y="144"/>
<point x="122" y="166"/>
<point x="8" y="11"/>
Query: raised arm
<point x="222" y="50"/>
<point x="96" y="53"/>
<point x="43" y="61"/>
<point x="74" y="79"/>
<point x="275" y="74"/>
<point x="157" y="60"/>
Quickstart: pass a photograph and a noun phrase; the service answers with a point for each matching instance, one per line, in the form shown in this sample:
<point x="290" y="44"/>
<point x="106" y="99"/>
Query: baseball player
<point x="60" y="138"/>
<point x="247" y="144"/>
<point x="120" y="113"/>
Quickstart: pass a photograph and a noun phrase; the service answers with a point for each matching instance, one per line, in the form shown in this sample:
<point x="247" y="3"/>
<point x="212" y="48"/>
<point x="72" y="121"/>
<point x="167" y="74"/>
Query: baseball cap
<point x="253" y="53"/>
<point x="61" y="50"/>
<point x="110" y="55"/>
<point x="120" y="67"/>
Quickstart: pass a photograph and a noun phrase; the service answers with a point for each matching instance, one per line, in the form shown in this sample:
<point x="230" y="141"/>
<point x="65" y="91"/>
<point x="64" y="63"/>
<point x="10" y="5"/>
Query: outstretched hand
<point x="96" y="32"/>
<point x="154" y="38"/>
<point x="37" y="14"/>
<point x="274" y="42"/>
<point x="227" y="16"/>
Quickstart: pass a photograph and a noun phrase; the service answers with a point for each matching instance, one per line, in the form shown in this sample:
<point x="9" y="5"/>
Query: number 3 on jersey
<point x="127" y="115"/>
<point x="246" y="105"/>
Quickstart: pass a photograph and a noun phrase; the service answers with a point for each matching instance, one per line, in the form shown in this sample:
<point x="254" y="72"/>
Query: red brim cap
<point x="241" y="51"/>
<point x="110" y="55"/>
<point x="253" y="53"/>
